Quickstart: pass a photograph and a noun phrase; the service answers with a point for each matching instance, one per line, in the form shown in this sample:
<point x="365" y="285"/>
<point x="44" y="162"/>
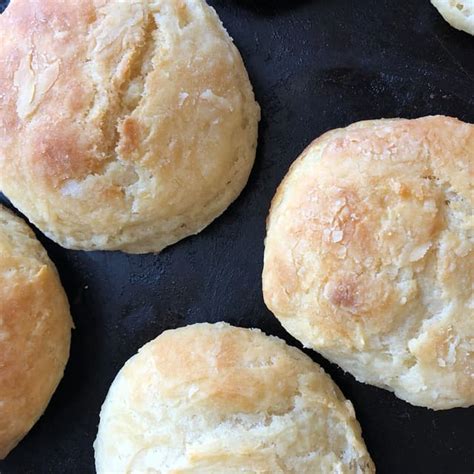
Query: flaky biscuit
<point x="458" y="13"/>
<point x="369" y="255"/>
<point x="218" y="399"/>
<point x="124" y="125"/>
<point x="35" y="330"/>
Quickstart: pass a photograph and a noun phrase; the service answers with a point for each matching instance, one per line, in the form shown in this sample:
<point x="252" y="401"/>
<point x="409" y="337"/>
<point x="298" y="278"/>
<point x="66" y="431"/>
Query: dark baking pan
<point x="315" y="65"/>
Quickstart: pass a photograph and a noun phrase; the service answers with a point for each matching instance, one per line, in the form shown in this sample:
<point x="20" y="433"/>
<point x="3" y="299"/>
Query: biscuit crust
<point x="124" y="125"/>
<point x="369" y="255"/>
<point x="214" y="398"/>
<point x="35" y="330"/>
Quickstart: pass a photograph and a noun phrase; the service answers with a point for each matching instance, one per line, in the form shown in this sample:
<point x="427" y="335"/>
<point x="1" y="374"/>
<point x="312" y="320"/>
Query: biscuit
<point x="369" y="255"/>
<point x="35" y="330"/>
<point x="219" y="399"/>
<point x="458" y="13"/>
<point x="124" y="125"/>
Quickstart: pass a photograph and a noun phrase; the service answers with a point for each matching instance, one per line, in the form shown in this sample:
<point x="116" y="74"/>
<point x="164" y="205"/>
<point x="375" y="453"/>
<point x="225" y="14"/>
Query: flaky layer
<point x="124" y="125"/>
<point x="213" y="398"/>
<point x="35" y="327"/>
<point x="369" y="255"/>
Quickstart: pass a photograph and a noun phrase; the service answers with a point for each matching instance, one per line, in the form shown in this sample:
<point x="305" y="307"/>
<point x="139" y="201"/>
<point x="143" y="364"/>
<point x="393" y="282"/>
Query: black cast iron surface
<point x="315" y="65"/>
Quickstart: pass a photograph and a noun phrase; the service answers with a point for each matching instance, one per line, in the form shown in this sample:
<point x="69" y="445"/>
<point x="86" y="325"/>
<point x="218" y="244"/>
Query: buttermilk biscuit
<point x="35" y="330"/>
<point x="124" y="124"/>
<point x="218" y="399"/>
<point x="369" y="255"/>
<point x="458" y="13"/>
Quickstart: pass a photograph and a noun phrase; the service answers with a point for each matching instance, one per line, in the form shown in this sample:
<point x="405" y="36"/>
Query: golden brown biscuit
<point x="369" y="255"/>
<point x="458" y="13"/>
<point x="218" y="399"/>
<point x="35" y="330"/>
<point x="124" y="125"/>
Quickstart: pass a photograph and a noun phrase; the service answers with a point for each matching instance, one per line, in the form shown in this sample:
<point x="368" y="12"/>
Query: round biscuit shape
<point x="369" y="255"/>
<point x="215" y="398"/>
<point x="35" y="330"/>
<point x="124" y="125"/>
